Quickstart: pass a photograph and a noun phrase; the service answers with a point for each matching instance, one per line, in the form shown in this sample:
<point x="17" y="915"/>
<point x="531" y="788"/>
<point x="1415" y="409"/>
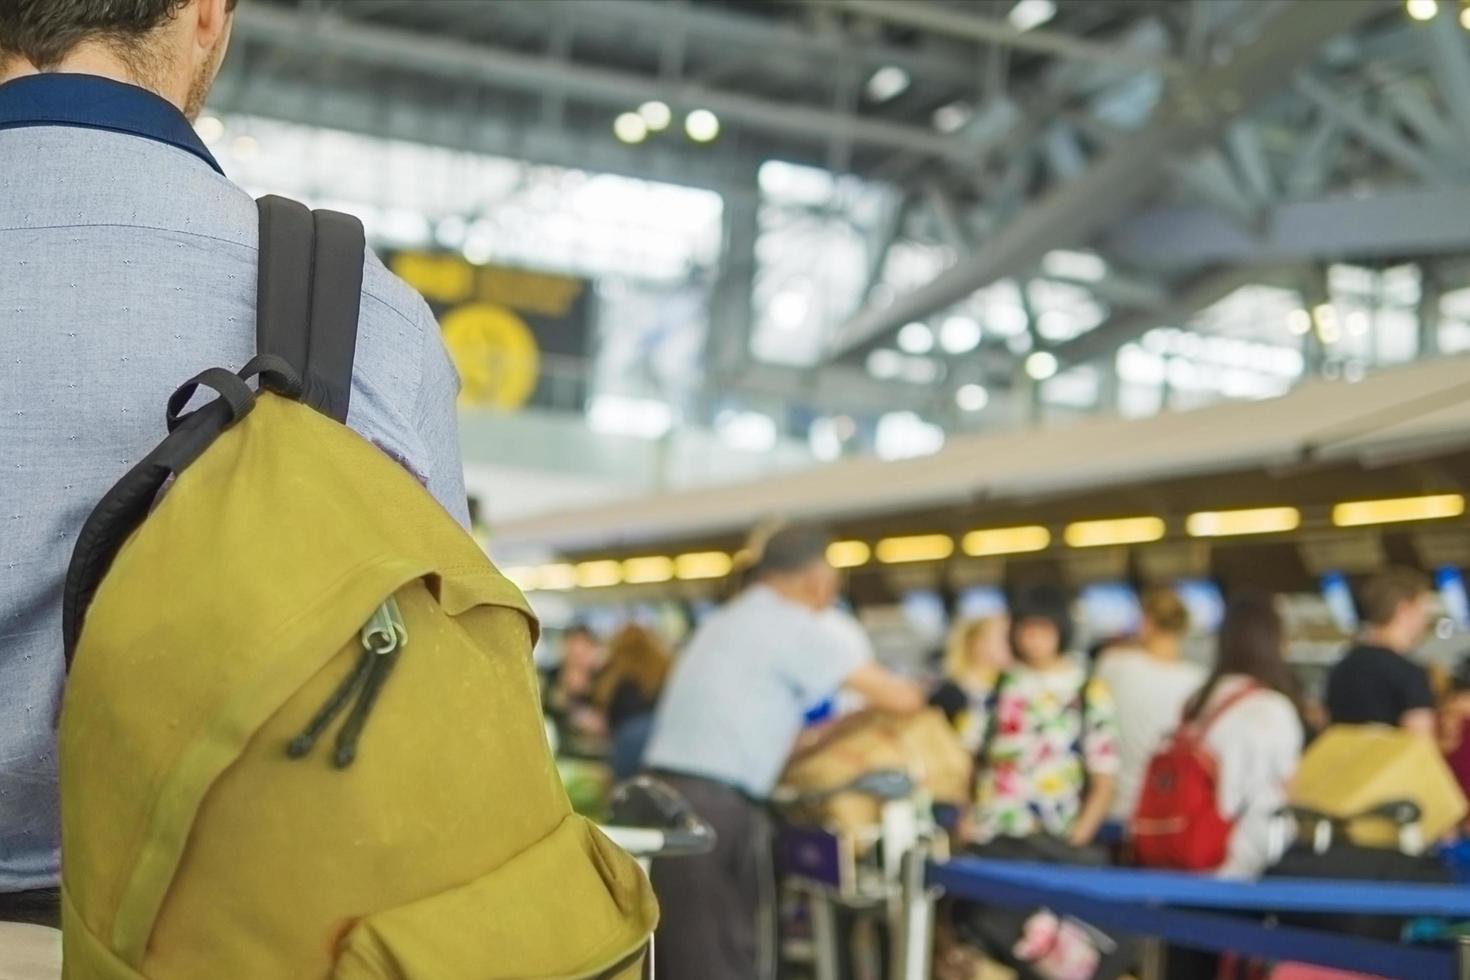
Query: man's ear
<point x="210" y="18"/>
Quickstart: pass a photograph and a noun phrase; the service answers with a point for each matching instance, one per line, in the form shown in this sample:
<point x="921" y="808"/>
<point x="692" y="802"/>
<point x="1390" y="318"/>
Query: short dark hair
<point x="44" y="32"/>
<point x="1046" y="602"/>
<point x="792" y="549"/>
<point x="1380" y="597"/>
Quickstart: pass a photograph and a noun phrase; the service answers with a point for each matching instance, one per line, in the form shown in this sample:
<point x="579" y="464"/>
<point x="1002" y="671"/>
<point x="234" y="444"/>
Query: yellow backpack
<point x="301" y="736"/>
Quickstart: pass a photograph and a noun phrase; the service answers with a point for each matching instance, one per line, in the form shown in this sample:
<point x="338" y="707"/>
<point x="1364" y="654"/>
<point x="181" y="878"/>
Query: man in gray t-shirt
<point x="726" y="724"/>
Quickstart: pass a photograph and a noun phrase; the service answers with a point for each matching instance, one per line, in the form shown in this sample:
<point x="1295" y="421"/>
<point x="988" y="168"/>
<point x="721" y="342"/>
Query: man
<point x="127" y="265"/>
<point x="1375" y="682"/>
<point x="730" y="714"/>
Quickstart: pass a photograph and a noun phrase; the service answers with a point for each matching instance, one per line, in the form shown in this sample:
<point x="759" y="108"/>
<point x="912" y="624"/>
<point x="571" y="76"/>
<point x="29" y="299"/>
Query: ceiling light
<point x="598" y="574"/>
<point x="972" y="397"/>
<point x="656" y="115"/>
<point x="789" y="308"/>
<point x="1226" y="523"/>
<point x="1123" y="530"/>
<point x="1299" y="322"/>
<point x="245" y="147"/>
<point x="1033" y="13"/>
<point x="887" y="82"/>
<point x="848" y="554"/>
<point x="1005" y="541"/>
<point x="556" y="577"/>
<point x="209" y="128"/>
<point x="702" y="126"/>
<point x="1422" y="9"/>
<point x="951" y="117"/>
<point x="1042" y="365"/>
<point x="1465" y="18"/>
<point x="885" y="364"/>
<point x="959" y="335"/>
<point x="1356" y="513"/>
<point x="630" y="128"/>
<point x="701" y="565"/>
<point x="918" y="547"/>
<point x="916" y="338"/>
<point x="648" y="570"/>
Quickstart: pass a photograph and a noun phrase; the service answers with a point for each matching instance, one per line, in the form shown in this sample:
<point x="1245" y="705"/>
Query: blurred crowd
<point x="1076" y="758"/>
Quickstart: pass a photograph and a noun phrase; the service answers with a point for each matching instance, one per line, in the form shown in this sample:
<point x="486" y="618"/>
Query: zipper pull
<point x="383" y="637"/>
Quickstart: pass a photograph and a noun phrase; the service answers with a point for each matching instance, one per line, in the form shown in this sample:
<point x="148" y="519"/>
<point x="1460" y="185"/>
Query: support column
<point x="727" y="345"/>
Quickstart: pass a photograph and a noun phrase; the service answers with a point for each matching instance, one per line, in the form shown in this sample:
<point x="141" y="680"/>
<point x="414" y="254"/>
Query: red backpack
<point x="1177" y="823"/>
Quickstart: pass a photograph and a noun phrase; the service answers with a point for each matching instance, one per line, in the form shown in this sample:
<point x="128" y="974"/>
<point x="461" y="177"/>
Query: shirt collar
<point x="93" y="102"/>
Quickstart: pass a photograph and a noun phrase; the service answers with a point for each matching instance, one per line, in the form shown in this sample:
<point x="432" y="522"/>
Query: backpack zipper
<point x="383" y="638"/>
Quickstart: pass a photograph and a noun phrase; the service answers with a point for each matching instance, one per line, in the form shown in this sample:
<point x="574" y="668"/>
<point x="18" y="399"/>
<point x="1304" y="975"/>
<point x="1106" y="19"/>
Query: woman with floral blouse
<point x="1050" y="757"/>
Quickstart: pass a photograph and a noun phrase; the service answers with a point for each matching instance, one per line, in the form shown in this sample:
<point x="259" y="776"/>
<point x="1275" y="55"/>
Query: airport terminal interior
<point x="989" y="476"/>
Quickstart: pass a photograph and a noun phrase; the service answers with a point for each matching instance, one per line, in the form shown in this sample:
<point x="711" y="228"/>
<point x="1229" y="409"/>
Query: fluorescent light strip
<point x="918" y="547"/>
<point x="1227" y="523"/>
<point x="1123" y="530"/>
<point x="848" y="554"/>
<point x="556" y="577"/>
<point x="1357" y="513"/>
<point x="524" y="577"/>
<point x="598" y="574"/>
<point x="701" y="565"/>
<point x="1005" y="541"/>
<point x="648" y="570"/>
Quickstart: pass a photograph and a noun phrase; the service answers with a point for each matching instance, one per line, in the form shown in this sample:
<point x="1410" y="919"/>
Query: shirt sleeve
<point x="1414" y="691"/>
<point x="824" y="655"/>
<point x="436" y="420"/>
<point x="1100" y="740"/>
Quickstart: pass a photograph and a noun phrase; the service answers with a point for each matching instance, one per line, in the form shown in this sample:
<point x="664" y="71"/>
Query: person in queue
<point x="732" y="710"/>
<point x="977" y="652"/>
<point x="1049" y="757"/>
<point x="1254" y="732"/>
<point x="569" y="686"/>
<point x="627" y="692"/>
<point x="1376" y="681"/>
<point x="129" y="262"/>
<point x="1150" y="682"/>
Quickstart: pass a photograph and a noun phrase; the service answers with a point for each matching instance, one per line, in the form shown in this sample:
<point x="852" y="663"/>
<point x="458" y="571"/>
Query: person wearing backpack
<point x="1210" y="795"/>
<point x="129" y="265"/>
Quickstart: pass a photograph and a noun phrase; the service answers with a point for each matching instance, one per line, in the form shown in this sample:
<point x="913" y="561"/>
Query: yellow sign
<point x="446" y="278"/>
<point x="495" y="353"/>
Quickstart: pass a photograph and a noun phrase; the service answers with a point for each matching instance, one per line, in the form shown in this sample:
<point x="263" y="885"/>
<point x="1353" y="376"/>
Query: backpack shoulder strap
<point x="1207" y="721"/>
<point x="308" y="296"/>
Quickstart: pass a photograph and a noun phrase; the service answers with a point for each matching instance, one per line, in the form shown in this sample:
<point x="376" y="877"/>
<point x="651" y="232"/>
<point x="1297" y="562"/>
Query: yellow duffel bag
<point x="301" y="737"/>
<point x="1354" y="769"/>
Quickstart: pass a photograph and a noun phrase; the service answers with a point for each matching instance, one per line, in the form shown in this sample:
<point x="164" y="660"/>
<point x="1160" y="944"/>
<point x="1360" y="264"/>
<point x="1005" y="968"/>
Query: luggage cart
<point x="866" y="876"/>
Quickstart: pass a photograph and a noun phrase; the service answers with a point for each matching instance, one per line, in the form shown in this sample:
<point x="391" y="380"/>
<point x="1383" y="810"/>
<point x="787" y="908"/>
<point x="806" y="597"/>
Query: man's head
<point x="1395" y="607"/>
<point x="793" y="561"/>
<point x="1041" y="625"/>
<point x="171" y="47"/>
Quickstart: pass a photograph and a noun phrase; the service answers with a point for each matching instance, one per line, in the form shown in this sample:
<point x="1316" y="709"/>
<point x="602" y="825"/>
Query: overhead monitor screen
<point x="1339" y="596"/>
<point x="980" y="602"/>
<point x="1451" y="586"/>
<point x="1206" y="605"/>
<point x="1110" y="609"/>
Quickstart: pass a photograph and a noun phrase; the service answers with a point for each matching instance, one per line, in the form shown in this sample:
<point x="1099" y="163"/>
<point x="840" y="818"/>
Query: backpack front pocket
<point x="571" y="906"/>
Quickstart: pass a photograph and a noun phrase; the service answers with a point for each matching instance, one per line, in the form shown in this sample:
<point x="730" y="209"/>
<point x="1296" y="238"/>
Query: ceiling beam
<point x="1195" y="114"/>
<point x="1388" y="225"/>
<point x="1383" y="138"/>
<point x="316" y="37"/>
<point x="1450" y="63"/>
<point x="974" y="27"/>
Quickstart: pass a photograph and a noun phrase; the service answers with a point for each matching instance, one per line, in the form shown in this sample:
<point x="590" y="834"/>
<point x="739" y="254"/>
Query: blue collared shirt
<point x="127" y="265"/>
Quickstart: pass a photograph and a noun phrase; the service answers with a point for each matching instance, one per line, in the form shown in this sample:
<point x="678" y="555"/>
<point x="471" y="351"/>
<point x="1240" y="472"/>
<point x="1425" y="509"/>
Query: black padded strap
<point x="125" y="506"/>
<point x="283" y="282"/>
<point x="336" y="295"/>
<point x="232" y="389"/>
<point x="308" y="297"/>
